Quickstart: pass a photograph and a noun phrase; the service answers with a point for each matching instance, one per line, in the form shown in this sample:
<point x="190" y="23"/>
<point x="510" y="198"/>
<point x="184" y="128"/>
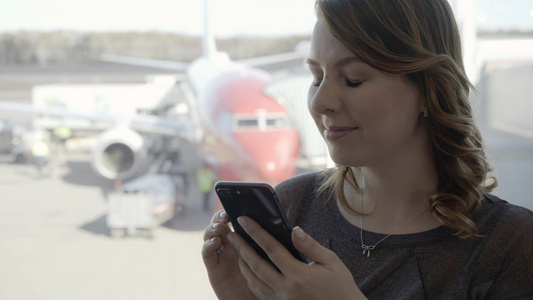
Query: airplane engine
<point x="120" y="153"/>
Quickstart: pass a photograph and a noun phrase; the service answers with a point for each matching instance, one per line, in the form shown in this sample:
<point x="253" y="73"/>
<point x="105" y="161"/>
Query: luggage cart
<point x="142" y="204"/>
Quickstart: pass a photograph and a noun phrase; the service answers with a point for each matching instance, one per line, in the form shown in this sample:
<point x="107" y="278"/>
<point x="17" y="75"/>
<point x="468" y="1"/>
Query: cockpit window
<point x="247" y="123"/>
<point x="261" y="121"/>
<point x="277" y="122"/>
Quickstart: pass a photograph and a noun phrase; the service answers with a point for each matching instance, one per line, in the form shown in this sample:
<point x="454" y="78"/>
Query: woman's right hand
<point x="222" y="260"/>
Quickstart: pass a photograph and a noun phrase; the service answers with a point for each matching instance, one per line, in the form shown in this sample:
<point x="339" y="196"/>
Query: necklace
<point x="368" y="248"/>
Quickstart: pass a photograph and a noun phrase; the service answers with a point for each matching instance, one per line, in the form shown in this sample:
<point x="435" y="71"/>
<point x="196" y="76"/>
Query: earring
<point x="425" y="112"/>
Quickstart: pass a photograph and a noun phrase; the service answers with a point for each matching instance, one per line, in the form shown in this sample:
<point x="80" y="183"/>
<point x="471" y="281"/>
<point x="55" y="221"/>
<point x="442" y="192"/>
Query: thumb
<point x="311" y="248"/>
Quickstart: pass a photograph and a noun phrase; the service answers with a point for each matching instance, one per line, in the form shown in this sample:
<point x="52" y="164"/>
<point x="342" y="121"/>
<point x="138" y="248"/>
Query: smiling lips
<point x="334" y="133"/>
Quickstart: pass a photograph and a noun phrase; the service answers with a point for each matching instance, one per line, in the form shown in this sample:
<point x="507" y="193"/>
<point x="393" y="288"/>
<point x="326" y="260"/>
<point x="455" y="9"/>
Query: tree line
<point x="71" y="47"/>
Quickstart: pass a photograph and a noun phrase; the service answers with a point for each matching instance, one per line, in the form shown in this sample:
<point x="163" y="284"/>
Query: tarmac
<point x="56" y="244"/>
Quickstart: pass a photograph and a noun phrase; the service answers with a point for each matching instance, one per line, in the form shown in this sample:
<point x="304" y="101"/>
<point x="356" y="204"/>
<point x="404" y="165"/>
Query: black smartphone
<point x="258" y="201"/>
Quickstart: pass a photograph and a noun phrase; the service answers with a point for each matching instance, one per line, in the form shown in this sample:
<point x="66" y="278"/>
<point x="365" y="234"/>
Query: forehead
<point x="325" y="46"/>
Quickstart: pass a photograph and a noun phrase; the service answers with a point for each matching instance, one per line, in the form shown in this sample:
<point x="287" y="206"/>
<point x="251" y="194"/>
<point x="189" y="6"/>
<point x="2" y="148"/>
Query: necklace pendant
<point x="366" y="249"/>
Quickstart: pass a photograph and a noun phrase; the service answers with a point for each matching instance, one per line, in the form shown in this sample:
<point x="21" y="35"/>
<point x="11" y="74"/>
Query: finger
<point x="311" y="248"/>
<point x="216" y="229"/>
<point x="277" y="253"/>
<point x="220" y="217"/>
<point x="256" y="285"/>
<point x="209" y="254"/>
<point x="260" y="267"/>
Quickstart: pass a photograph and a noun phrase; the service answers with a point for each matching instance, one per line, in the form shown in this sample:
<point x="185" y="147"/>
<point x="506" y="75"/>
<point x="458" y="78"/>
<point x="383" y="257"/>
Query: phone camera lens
<point x="225" y="192"/>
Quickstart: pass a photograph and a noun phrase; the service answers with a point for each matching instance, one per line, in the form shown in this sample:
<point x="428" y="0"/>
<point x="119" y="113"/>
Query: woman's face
<point x="365" y="116"/>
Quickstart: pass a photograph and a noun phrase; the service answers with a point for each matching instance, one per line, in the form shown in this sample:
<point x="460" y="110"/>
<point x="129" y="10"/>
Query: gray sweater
<point x="427" y="265"/>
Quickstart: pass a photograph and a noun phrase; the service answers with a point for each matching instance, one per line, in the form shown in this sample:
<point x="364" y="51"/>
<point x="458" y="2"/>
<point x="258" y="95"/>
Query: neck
<point x="401" y="191"/>
<point x="393" y="195"/>
<point x="403" y="179"/>
<point x="398" y="186"/>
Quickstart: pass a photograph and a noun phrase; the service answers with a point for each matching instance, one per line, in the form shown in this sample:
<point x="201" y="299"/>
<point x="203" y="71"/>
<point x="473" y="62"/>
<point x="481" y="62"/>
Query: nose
<point x="323" y="99"/>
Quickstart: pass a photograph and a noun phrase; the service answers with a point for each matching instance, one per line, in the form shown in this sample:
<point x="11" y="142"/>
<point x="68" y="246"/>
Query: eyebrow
<point x="339" y="63"/>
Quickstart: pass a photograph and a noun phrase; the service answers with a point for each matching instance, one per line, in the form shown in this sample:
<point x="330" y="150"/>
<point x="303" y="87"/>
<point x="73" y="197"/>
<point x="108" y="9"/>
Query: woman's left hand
<point x="325" y="278"/>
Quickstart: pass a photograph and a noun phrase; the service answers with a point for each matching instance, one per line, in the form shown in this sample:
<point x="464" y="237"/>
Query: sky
<point x="228" y="17"/>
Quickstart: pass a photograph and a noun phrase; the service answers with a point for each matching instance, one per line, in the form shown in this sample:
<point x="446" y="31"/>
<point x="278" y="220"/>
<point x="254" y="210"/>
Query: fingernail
<point x="231" y="238"/>
<point x="223" y="214"/>
<point x="212" y="240"/>
<point x="215" y="225"/>
<point x="300" y="234"/>
<point x="242" y="221"/>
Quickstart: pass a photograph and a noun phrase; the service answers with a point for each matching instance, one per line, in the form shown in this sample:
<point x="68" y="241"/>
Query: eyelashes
<point x="349" y="83"/>
<point x="353" y="84"/>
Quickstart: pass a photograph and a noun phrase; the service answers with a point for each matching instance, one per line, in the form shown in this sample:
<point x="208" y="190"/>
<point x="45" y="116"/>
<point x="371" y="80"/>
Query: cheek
<point x="393" y="106"/>
<point x="367" y="108"/>
<point x="405" y="111"/>
<point x="392" y="118"/>
<point x="407" y="100"/>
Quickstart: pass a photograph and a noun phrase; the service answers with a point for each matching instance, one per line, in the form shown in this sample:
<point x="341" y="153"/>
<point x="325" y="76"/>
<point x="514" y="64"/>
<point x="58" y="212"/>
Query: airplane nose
<point x="273" y="153"/>
<point x="274" y="173"/>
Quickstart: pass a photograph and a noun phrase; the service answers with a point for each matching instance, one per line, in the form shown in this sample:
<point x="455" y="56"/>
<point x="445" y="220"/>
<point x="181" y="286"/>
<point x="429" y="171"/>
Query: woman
<point x="406" y="213"/>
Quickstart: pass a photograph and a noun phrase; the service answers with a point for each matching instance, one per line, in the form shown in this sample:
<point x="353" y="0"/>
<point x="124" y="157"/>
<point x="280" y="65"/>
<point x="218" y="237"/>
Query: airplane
<point x="242" y="133"/>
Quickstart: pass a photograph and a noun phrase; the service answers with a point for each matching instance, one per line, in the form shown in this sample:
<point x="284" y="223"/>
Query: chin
<point x="343" y="160"/>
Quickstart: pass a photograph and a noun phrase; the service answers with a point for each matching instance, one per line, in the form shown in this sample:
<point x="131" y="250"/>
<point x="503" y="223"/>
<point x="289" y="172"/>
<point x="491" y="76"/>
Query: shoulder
<point x="507" y="229"/>
<point x="297" y="194"/>
<point x="506" y="216"/>
<point x="508" y="248"/>
<point x="298" y="184"/>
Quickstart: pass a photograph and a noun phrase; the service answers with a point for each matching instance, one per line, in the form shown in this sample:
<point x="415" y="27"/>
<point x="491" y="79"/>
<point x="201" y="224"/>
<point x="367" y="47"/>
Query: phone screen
<point x="259" y="202"/>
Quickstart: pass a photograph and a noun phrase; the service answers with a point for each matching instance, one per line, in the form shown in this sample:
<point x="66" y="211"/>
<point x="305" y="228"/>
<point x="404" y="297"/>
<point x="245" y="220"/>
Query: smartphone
<point x="258" y="201"/>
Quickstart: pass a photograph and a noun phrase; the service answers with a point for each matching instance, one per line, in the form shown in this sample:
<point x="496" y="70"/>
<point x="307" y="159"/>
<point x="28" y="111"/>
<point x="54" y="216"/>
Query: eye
<point x="353" y="84"/>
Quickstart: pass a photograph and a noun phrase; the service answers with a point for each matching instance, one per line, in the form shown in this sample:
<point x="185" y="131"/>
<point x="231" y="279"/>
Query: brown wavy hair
<point x="420" y="39"/>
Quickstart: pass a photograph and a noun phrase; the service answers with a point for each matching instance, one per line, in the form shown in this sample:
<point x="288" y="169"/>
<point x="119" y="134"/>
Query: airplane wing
<point x="273" y="59"/>
<point x="145" y="62"/>
<point x="259" y="61"/>
<point x="143" y="124"/>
